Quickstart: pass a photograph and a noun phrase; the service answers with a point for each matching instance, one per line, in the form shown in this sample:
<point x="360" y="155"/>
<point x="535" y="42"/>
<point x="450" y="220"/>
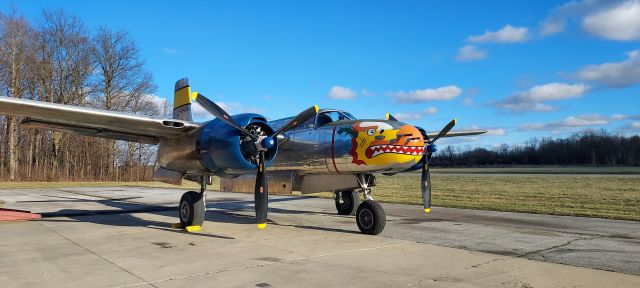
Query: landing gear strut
<point x="370" y="215"/>
<point x="193" y="206"/>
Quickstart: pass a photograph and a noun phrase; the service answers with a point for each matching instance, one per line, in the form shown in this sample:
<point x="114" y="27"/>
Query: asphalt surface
<point x="90" y="235"/>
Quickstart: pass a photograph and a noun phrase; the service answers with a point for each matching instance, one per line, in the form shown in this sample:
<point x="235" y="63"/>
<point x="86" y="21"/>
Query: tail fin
<point x="182" y="100"/>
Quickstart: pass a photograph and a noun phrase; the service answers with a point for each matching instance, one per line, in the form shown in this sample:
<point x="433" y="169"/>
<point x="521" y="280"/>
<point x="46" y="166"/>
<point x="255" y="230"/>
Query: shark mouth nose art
<point x="376" y="150"/>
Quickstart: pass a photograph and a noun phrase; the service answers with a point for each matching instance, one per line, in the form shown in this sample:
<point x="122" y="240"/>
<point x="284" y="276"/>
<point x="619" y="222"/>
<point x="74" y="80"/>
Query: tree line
<point x="589" y="147"/>
<point x="56" y="58"/>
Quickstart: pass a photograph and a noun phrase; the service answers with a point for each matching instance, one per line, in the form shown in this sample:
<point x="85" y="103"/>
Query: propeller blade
<point x="261" y="192"/>
<point x="299" y="119"/>
<point x="444" y="130"/>
<point x="425" y="185"/>
<point x="219" y="113"/>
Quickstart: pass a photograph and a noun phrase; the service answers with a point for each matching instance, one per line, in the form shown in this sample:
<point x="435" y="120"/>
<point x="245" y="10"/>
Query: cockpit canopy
<point x="324" y="117"/>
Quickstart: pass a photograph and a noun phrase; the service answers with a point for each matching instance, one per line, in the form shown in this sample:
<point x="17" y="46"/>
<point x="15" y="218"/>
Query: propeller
<point x="425" y="178"/>
<point x="262" y="144"/>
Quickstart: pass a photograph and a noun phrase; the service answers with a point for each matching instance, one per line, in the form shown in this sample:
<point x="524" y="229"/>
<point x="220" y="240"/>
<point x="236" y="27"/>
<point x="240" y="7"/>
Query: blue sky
<point x="521" y="69"/>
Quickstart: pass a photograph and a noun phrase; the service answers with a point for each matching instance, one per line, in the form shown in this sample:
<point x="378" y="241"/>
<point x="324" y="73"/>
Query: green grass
<point x="613" y="197"/>
<point x="540" y="170"/>
<point x="610" y="196"/>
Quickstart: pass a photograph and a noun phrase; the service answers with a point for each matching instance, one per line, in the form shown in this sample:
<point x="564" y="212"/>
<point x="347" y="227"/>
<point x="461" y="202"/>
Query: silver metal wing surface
<point x="93" y="122"/>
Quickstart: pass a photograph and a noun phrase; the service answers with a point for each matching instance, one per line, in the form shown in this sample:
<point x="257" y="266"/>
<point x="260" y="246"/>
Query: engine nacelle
<point x="225" y="152"/>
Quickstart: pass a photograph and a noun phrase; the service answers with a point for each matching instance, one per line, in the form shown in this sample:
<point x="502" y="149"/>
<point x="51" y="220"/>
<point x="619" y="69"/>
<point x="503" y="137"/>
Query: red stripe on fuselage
<point x="333" y="138"/>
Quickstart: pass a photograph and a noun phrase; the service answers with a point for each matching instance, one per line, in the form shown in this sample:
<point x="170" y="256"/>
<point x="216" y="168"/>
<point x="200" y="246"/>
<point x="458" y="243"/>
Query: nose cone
<point x="387" y="146"/>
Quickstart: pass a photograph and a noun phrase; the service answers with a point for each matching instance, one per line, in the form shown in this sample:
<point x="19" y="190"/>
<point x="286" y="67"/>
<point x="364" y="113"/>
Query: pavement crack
<point x="96" y="254"/>
<point x="556" y="247"/>
<point x="486" y="262"/>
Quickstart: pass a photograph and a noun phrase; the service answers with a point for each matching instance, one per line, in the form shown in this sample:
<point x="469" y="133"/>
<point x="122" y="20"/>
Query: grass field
<point x="615" y="197"/>
<point x="608" y="196"/>
<point x="541" y="170"/>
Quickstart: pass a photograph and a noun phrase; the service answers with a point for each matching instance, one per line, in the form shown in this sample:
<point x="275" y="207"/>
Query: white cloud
<point x="431" y="111"/>
<point x="610" y="19"/>
<point x="551" y="26"/>
<point x="632" y="128"/>
<point x="532" y="99"/>
<point x="496" y="132"/>
<point x="403" y="116"/>
<point x="339" y="92"/>
<point x="169" y="50"/>
<point x="614" y="74"/>
<point x="525" y="107"/>
<point x="508" y="34"/>
<point x="442" y="93"/>
<point x="159" y="101"/>
<point x="619" y="22"/>
<point x="470" y="93"/>
<point x="470" y="53"/>
<point x="164" y="106"/>
<point x="556" y="22"/>
<point x="552" y="91"/>
<point x="569" y="123"/>
<point x="198" y="111"/>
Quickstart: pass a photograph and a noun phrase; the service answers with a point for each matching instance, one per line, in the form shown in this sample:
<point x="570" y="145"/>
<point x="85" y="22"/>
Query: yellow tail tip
<point x="194" y="95"/>
<point x="262" y="225"/>
<point x="455" y="121"/>
<point x="427" y="210"/>
<point x="317" y="109"/>
<point x="387" y="116"/>
<point x="193" y="228"/>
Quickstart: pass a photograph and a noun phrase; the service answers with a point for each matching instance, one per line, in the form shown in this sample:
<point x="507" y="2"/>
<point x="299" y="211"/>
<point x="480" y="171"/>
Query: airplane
<point x="316" y="150"/>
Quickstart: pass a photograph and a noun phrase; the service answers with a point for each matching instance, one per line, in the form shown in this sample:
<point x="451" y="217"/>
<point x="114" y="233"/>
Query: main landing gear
<point x="193" y="207"/>
<point x="370" y="215"/>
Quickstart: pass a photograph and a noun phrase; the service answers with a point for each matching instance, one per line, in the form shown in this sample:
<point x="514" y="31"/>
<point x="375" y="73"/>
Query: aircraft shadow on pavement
<point x="123" y="212"/>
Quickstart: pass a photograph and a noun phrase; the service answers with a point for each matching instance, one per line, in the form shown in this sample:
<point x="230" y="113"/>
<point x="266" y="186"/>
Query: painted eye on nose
<point x="371" y="131"/>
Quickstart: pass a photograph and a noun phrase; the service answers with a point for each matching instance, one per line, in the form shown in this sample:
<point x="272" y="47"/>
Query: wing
<point x="93" y="122"/>
<point x="457" y="133"/>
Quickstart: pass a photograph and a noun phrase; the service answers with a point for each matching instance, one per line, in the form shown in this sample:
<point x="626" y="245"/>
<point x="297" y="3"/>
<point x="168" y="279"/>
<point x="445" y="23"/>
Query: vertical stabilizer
<point x="182" y="100"/>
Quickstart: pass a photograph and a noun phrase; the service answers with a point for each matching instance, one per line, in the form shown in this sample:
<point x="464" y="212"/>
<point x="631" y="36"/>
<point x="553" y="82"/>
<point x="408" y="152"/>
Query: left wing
<point x="93" y="122"/>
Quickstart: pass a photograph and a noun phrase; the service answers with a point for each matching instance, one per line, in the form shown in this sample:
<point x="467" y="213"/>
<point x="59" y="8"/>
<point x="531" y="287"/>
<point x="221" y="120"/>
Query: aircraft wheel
<point x="348" y="203"/>
<point x="191" y="209"/>
<point x="370" y="217"/>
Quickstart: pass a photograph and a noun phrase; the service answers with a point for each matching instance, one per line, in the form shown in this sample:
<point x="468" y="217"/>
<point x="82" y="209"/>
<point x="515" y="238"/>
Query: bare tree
<point x="14" y="46"/>
<point x="121" y="82"/>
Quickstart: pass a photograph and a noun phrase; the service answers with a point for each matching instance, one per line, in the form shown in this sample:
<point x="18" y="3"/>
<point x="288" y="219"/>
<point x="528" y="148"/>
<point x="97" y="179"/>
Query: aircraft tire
<point x="370" y="217"/>
<point x="192" y="208"/>
<point x="350" y="202"/>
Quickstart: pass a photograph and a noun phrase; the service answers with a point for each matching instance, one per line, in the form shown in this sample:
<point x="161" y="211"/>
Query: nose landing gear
<point x="370" y="216"/>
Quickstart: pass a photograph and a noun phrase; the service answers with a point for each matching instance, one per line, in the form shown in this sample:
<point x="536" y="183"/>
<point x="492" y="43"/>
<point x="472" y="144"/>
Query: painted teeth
<point x="396" y="149"/>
